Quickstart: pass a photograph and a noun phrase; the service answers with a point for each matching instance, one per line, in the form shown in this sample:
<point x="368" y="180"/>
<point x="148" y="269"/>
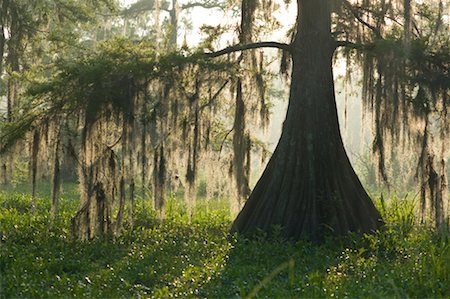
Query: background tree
<point x="34" y="34"/>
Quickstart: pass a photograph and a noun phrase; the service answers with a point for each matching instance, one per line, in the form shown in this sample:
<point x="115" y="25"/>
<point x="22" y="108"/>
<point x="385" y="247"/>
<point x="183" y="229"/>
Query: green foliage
<point x="101" y="81"/>
<point x="176" y="259"/>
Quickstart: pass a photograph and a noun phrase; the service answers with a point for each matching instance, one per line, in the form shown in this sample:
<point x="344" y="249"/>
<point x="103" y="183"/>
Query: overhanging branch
<point x="237" y="48"/>
<point x="206" y="5"/>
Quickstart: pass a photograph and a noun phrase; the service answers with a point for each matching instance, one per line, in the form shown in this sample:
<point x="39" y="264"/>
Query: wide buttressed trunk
<point x="309" y="187"/>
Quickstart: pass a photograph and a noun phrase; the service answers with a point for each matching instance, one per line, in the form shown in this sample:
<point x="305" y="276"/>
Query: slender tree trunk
<point x="143" y="161"/>
<point x="309" y="186"/>
<point x="2" y="45"/>
<point x="3" y="167"/>
<point x="157" y="16"/>
<point x="34" y="164"/>
<point x="120" y="212"/>
<point x="56" y="181"/>
<point x="191" y="171"/>
<point x="241" y="144"/>
<point x="4" y="172"/>
<point x="174" y="18"/>
<point x="241" y="134"/>
<point x="122" y="188"/>
<point x="132" y="184"/>
<point x="159" y="178"/>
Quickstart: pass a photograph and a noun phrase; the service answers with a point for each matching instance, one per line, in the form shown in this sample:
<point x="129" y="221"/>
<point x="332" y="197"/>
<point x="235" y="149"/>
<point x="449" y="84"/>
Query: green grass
<point x="177" y="259"/>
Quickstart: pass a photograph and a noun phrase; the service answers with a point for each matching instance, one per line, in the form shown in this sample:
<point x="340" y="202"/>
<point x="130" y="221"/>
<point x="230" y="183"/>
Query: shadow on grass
<point x="271" y="267"/>
<point x="394" y="263"/>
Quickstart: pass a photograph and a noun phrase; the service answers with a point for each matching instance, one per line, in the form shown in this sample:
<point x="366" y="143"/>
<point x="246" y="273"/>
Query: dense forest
<point x="139" y="151"/>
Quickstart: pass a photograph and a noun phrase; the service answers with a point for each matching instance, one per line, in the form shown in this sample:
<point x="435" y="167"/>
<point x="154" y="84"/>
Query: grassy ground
<point x="177" y="259"/>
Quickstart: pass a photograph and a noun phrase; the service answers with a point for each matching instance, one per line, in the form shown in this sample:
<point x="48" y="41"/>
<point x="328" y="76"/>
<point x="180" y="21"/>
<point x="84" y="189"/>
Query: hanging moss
<point x="124" y="103"/>
<point x="405" y="79"/>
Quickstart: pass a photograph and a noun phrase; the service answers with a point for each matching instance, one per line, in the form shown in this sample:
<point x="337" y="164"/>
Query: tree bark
<point x="309" y="186"/>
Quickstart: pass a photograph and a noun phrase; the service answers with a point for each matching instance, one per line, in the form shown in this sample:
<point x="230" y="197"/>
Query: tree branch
<point x="352" y="45"/>
<point x="239" y="47"/>
<point x="211" y="100"/>
<point x="355" y="13"/>
<point x="205" y="5"/>
<point x="378" y="14"/>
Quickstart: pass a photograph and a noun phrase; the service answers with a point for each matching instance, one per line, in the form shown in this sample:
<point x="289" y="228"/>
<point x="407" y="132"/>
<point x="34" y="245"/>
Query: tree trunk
<point x="2" y="45"/>
<point x="174" y="18"/>
<point x="309" y="186"/>
<point x="34" y="164"/>
<point x="56" y="181"/>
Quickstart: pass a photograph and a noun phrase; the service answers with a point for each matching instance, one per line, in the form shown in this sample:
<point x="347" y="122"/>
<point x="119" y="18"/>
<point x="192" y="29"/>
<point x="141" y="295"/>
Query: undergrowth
<point x="174" y="258"/>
